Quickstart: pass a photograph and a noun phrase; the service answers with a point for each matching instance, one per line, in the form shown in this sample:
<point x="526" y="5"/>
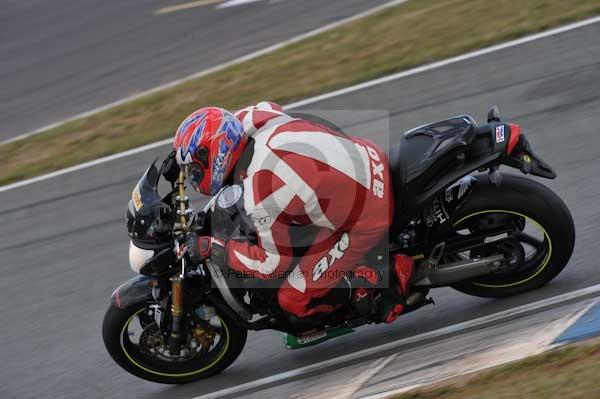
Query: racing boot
<point x="364" y="282"/>
<point x="404" y="269"/>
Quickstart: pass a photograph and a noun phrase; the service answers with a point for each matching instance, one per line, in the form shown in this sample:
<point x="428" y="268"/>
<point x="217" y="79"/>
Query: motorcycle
<point x="466" y="225"/>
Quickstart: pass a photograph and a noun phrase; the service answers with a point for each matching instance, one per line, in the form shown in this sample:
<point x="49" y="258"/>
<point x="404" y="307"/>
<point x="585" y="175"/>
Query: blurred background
<point x="86" y="79"/>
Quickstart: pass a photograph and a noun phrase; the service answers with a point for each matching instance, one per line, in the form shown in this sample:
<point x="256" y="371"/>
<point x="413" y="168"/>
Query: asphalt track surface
<point x="64" y="246"/>
<point x="63" y="57"/>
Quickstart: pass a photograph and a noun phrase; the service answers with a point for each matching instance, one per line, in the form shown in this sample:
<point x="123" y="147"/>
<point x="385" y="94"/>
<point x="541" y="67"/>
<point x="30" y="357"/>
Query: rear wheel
<point x="135" y="341"/>
<point x="539" y="242"/>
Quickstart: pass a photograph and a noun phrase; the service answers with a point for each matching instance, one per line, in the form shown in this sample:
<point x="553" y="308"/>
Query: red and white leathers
<point x="304" y="173"/>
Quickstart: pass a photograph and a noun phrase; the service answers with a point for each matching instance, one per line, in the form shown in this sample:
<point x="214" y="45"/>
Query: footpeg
<point x="415" y="298"/>
<point x="418" y="299"/>
<point x="436" y="255"/>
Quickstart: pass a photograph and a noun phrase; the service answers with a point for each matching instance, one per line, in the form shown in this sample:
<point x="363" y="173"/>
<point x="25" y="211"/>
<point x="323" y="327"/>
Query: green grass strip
<point x="569" y="373"/>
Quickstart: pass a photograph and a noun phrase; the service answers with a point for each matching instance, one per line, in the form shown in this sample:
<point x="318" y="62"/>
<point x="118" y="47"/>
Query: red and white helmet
<point x="207" y="145"/>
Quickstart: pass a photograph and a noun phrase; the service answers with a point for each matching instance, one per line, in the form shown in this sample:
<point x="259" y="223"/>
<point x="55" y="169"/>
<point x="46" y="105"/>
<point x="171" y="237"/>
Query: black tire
<point x="115" y="320"/>
<point x="535" y="201"/>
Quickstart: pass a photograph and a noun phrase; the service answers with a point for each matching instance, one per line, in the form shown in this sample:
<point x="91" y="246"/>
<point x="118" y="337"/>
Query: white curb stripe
<point x="307" y="101"/>
<point x="216" y="68"/>
<point x="453" y="329"/>
<point x="349" y="390"/>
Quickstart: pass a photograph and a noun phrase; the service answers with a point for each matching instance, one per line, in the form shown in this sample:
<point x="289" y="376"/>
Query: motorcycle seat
<point x="426" y="152"/>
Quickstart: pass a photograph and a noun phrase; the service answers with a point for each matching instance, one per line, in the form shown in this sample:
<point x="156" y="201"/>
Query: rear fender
<point x="523" y="158"/>
<point x="513" y="148"/>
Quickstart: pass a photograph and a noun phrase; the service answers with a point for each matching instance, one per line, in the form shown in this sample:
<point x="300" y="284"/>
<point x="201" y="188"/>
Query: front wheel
<point x="540" y="240"/>
<point x="134" y="340"/>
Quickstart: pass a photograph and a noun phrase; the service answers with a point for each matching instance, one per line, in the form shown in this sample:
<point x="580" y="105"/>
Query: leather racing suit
<point x="303" y="173"/>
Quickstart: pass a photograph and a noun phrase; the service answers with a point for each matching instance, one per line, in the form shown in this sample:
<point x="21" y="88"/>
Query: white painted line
<point x="302" y="103"/>
<point x="453" y="329"/>
<point x="185" y="6"/>
<point x="235" y="3"/>
<point x="216" y="68"/>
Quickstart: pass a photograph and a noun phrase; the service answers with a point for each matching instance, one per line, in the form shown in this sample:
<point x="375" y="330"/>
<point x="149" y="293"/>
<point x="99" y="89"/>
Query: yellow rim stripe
<point x="544" y="263"/>
<point x="168" y="374"/>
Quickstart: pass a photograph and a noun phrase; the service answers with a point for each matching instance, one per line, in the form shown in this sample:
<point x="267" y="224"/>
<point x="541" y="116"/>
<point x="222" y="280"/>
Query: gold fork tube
<point x="176" y="313"/>
<point x="182" y="202"/>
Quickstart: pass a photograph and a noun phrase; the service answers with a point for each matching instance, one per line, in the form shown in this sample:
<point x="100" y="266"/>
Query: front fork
<point x="177" y="281"/>
<point x="176" y="314"/>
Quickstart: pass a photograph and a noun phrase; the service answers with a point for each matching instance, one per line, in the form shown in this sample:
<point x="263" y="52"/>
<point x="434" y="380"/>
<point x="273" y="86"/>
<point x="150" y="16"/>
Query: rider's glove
<point x="198" y="247"/>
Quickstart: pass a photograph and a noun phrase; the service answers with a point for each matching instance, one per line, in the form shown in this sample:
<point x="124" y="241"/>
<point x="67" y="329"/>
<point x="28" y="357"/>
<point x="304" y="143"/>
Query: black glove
<point x="198" y="247"/>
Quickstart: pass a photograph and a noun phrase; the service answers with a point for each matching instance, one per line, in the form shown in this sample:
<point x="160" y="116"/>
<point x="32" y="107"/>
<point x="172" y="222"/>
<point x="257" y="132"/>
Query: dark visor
<point x="195" y="174"/>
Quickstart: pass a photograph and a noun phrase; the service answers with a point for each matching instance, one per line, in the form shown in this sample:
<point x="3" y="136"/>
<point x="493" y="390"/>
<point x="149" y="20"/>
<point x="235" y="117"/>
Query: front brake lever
<point x="181" y="251"/>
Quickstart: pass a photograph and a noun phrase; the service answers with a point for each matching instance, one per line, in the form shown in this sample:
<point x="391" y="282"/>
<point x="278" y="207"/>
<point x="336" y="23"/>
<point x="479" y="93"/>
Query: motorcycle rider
<point x="295" y="172"/>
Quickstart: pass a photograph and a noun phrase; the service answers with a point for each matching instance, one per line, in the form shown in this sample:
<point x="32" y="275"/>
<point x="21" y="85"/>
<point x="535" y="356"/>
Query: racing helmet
<point x="207" y="145"/>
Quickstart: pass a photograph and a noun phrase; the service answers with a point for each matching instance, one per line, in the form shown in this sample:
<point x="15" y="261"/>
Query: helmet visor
<point x="195" y="174"/>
